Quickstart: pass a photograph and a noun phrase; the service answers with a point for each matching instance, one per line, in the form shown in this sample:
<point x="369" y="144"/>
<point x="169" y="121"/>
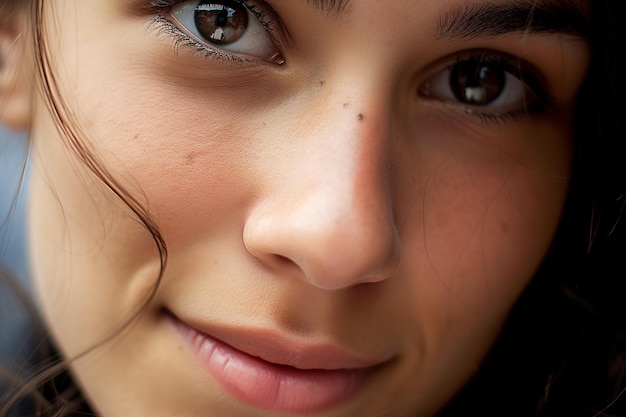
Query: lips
<point x="266" y="371"/>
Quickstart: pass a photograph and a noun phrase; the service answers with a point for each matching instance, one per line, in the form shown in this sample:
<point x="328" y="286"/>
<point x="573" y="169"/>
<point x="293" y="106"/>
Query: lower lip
<point x="269" y="386"/>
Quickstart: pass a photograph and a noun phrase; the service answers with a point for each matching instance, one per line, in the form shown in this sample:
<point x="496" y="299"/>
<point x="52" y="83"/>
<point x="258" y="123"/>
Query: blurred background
<point x="13" y="194"/>
<point x="16" y="327"/>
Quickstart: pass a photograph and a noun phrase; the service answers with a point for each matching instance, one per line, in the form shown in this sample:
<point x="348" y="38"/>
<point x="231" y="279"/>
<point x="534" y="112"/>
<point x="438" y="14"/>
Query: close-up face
<point x="352" y="195"/>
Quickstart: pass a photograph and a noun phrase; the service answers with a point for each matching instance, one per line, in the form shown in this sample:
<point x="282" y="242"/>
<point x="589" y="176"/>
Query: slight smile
<point x="266" y="371"/>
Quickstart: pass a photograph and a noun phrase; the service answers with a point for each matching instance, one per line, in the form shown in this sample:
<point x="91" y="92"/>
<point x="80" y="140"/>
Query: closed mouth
<point x="262" y="370"/>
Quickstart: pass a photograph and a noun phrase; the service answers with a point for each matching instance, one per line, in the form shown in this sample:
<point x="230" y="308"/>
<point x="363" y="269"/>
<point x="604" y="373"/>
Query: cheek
<point x="489" y="216"/>
<point x="189" y="165"/>
<point x="78" y="230"/>
<point x="477" y="226"/>
<point x="482" y="223"/>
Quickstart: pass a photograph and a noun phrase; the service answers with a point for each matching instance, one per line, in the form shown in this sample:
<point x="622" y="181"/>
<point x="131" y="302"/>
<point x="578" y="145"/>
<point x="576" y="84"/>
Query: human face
<point x="347" y="226"/>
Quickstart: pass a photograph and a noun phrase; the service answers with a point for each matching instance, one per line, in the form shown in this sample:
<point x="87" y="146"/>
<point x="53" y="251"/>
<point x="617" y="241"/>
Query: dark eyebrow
<point x="490" y="20"/>
<point x="335" y="8"/>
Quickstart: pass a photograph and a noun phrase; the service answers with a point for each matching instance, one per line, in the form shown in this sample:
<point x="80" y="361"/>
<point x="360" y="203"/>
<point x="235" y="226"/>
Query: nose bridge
<point x="347" y="121"/>
<point x="348" y="145"/>
<point x="334" y="219"/>
<point x="350" y="161"/>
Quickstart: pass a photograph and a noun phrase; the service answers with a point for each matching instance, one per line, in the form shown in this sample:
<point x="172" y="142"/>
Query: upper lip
<point x="277" y="349"/>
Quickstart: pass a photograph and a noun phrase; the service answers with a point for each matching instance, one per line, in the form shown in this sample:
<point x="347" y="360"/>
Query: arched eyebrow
<point x="490" y="20"/>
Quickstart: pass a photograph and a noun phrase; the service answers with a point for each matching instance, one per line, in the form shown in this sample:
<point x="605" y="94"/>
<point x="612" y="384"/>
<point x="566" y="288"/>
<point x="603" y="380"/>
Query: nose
<point x="329" y="216"/>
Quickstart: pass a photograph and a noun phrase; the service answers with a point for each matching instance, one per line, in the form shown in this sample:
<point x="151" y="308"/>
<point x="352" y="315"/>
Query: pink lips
<point x="265" y="373"/>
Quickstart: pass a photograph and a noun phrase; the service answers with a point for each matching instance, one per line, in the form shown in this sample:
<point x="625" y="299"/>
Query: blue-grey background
<point x="15" y="325"/>
<point x="13" y="195"/>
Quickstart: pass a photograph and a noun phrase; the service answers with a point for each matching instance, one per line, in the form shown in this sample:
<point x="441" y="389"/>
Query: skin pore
<point x="327" y="200"/>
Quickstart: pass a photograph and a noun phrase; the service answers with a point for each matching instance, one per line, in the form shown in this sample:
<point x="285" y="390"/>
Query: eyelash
<point x="165" y="26"/>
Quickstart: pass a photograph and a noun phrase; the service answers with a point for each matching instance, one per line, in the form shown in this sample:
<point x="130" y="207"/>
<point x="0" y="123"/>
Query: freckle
<point x="345" y="105"/>
<point x="190" y="158"/>
<point x="322" y="82"/>
<point x="360" y="117"/>
<point x="136" y="136"/>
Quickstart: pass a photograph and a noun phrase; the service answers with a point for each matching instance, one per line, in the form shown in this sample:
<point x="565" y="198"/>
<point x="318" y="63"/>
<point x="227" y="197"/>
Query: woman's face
<point x="352" y="197"/>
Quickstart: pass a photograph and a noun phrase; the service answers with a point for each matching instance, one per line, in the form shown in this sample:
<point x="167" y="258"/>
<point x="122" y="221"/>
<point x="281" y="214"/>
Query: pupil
<point x="222" y="19"/>
<point x="221" y="22"/>
<point x="477" y="83"/>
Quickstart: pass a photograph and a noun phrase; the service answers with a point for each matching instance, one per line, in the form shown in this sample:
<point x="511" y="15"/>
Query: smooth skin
<point x="340" y="197"/>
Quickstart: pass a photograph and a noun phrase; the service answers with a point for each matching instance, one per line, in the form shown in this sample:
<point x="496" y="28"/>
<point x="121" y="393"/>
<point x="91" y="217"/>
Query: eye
<point x="227" y="25"/>
<point x="478" y="84"/>
<point x="497" y="85"/>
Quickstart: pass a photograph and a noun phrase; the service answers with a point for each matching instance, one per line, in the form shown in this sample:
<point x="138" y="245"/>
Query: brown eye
<point x="229" y="28"/>
<point x="476" y="83"/>
<point x="488" y="82"/>
<point x="221" y="22"/>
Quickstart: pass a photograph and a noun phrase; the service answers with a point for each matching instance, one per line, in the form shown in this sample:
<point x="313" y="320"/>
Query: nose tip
<point x="349" y="255"/>
<point x="331" y="242"/>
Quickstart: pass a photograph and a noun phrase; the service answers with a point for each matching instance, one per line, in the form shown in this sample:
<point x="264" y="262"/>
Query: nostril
<point x="284" y="262"/>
